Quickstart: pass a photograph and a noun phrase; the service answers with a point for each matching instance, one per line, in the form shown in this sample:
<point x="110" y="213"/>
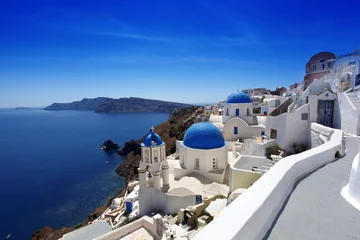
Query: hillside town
<point x="278" y="161"/>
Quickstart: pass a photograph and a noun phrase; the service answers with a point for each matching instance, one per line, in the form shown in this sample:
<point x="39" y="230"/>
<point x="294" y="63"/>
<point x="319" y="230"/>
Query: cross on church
<point x="152" y="128"/>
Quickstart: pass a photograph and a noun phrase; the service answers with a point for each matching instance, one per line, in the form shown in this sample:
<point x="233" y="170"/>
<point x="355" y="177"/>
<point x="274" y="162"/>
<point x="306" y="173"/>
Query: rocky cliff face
<point x="174" y="128"/>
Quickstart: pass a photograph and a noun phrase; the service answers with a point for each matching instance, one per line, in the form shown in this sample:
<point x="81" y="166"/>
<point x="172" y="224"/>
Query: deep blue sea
<point x="52" y="171"/>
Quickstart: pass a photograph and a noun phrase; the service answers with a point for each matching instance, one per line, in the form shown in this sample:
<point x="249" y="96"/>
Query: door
<point x="325" y="112"/>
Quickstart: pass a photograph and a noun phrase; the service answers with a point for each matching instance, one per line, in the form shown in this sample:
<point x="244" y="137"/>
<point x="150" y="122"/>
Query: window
<point x="262" y="133"/>
<point x="304" y="116"/>
<point x="214" y="163"/>
<point x="277" y="103"/>
<point x="248" y="111"/>
<point x="182" y="163"/>
<point x="323" y="66"/>
<point x="227" y="112"/>
<point x="329" y="64"/>
<point x="314" y="67"/>
<point x="273" y="133"/>
<point x="197" y="163"/>
<point x="155" y="156"/>
<point x="235" y="130"/>
<point x="147" y="156"/>
<point x="237" y="112"/>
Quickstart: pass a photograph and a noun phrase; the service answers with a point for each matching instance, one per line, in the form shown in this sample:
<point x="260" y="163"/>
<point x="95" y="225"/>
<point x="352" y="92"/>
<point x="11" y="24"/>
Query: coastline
<point x="170" y="130"/>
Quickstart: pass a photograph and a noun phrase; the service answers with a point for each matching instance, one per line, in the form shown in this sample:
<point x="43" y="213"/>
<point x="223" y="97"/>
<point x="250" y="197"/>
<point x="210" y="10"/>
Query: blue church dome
<point x="152" y="137"/>
<point x="203" y="135"/>
<point x="238" y="97"/>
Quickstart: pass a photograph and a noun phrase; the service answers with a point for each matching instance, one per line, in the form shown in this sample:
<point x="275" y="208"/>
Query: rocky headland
<point x="111" y="105"/>
<point x="174" y="128"/>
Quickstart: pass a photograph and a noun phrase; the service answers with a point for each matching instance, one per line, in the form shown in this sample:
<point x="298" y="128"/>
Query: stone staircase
<point x="354" y="98"/>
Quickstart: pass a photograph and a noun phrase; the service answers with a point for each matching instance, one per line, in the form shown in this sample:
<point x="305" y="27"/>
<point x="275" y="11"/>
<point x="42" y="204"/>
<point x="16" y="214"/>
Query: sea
<point x="52" y="172"/>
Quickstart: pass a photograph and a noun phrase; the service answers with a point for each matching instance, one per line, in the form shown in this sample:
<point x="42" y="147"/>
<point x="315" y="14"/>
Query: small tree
<point x="303" y="147"/>
<point x="294" y="146"/>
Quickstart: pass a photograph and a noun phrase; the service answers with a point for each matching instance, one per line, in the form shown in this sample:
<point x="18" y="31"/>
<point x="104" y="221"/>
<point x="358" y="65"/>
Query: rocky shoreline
<point x="170" y="130"/>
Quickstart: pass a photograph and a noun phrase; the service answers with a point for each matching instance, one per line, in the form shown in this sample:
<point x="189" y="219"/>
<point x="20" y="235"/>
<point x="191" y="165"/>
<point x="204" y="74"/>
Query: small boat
<point x="8" y="236"/>
<point x="106" y="162"/>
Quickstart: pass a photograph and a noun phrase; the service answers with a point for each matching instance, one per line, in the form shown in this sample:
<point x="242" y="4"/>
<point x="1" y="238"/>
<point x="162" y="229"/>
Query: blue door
<point x="237" y="112"/>
<point x="235" y="130"/>
<point x="128" y="207"/>
<point x="198" y="199"/>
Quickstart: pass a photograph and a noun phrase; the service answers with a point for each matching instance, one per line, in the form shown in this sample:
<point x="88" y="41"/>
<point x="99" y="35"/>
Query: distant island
<point x="22" y="108"/>
<point x="110" y="105"/>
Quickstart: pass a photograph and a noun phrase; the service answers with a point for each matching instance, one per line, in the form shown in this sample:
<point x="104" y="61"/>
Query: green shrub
<point x="273" y="150"/>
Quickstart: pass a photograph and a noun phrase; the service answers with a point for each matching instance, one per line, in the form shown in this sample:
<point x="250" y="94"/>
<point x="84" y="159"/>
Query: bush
<point x="257" y="110"/>
<point x="273" y="150"/>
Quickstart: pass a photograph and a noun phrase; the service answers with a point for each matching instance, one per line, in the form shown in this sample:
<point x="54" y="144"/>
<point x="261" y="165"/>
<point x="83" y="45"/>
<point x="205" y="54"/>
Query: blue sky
<point x="185" y="51"/>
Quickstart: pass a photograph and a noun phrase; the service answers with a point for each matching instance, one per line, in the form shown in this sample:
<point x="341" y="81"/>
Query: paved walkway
<point x="316" y="209"/>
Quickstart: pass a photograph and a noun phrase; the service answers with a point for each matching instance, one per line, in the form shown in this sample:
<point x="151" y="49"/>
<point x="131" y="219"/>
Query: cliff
<point x="174" y="128"/>
<point x="110" y="105"/>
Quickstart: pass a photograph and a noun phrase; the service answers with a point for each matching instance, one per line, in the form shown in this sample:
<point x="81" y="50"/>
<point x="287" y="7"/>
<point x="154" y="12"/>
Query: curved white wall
<point x="255" y="210"/>
<point x="205" y="157"/>
<point x="232" y="110"/>
<point x="244" y="130"/>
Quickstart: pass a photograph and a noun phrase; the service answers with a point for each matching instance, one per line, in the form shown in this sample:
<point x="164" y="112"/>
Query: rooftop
<point x="316" y="209"/>
<point x="88" y="232"/>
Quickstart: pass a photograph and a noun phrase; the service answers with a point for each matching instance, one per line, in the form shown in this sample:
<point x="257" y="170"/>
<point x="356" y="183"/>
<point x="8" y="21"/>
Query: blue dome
<point x="152" y="137"/>
<point x="203" y="135"/>
<point x="239" y="97"/>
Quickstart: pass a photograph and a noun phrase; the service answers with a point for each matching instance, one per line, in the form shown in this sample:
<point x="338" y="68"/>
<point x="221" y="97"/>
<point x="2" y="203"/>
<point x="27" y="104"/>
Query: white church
<point x="200" y="167"/>
<point x="238" y="121"/>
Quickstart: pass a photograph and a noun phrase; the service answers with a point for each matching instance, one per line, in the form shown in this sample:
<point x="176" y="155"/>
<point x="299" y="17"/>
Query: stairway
<point x="353" y="96"/>
<point x="294" y="109"/>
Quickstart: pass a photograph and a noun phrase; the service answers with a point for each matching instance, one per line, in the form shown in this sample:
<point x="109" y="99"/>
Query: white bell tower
<point x="153" y="160"/>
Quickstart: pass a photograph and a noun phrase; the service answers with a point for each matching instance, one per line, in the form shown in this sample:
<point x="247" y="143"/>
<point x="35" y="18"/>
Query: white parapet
<point x="351" y="192"/>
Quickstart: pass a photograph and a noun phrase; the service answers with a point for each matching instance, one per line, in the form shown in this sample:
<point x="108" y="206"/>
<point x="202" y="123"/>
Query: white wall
<point x="313" y="101"/>
<point x="265" y="109"/>
<point x="256" y="209"/>
<point x="261" y="120"/>
<point x="290" y="128"/>
<point x="206" y="158"/>
<point x="232" y="110"/>
<point x="253" y="148"/>
<point x="347" y="117"/>
<point x="148" y="223"/>
<point x="151" y="199"/>
<point x="244" y="130"/>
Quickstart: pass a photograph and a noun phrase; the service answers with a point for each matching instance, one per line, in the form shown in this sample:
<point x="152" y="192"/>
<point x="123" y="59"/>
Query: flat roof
<point x="139" y="234"/>
<point x="89" y="232"/>
<point x="316" y="208"/>
<point x="248" y="162"/>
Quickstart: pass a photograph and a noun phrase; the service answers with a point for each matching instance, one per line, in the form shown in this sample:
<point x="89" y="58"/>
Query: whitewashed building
<point x="238" y="121"/>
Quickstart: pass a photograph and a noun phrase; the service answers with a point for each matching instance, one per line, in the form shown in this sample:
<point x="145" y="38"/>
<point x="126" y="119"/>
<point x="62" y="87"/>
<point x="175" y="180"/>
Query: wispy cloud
<point x="249" y="40"/>
<point x="133" y="36"/>
<point x="175" y="60"/>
